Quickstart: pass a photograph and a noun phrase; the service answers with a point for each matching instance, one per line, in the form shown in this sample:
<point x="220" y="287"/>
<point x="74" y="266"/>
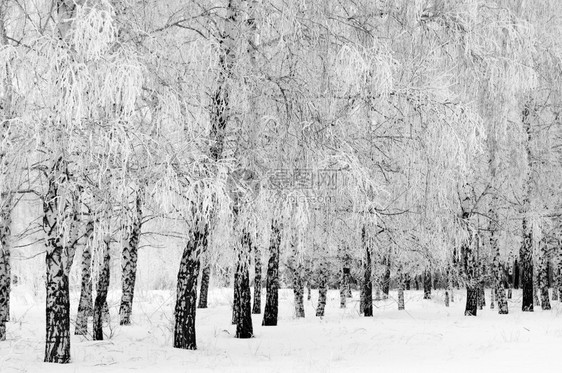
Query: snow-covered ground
<point x="426" y="337"/>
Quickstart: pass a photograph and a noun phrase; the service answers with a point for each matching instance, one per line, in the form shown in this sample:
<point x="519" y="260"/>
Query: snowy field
<point x="427" y="337"/>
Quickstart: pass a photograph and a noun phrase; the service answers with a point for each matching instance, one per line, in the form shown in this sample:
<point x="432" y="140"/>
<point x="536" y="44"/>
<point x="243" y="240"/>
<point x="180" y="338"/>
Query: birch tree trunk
<point x="543" y="276"/>
<point x="498" y="271"/>
<point x="322" y="284"/>
<point x="55" y="209"/>
<point x="386" y="278"/>
<point x="367" y="281"/>
<point x="244" y="328"/>
<point x="204" y="292"/>
<point x="57" y="341"/>
<point x="427" y="284"/>
<point x="129" y="256"/>
<point x="101" y="293"/>
<point x="5" y="266"/>
<point x="5" y="192"/>
<point x="85" y="304"/>
<point x="344" y="285"/>
<point x="297" y="271"/>
<point x="401" y="284"/>
<point x="557" y="270"/>
<point x="526" y="250"/>
<point x="470" y="272"/>
<point x="272" y="282"/>
<point x="186" y="293"/>
<point x="256" y="308"/>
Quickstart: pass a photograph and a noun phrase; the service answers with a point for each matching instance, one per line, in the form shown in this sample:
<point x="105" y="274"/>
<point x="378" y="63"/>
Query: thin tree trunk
<point x="343" y="298"/>
<point x="5" y="192"/>
<point x="256" y="309"/>
<point x="344" y="286"/>
<point x="526" y="259"/>
<point x="516" y="274"/>
<point x="470" y="273"/>
<point x="448" y="291"/>
<point x="272" y="282"/>
<point x="297" y="271"/>
<point x="362" y="297"/>
<point x="401" y="282"/>
<point x="498" y="270"/>
<point x="5" y="268"/>
<point x="85" y="305"/>
<point x="526" y="250"/>
<point x="386" y="278"/>
<point x="101" y="294"/>
<point x="204" y="292"/>
<point x="186" y="293"/>
<point x="555" y="283"/>
<point x="129" y="263"/>
<point x="367" y="281"/>
<point x="543" y="277"/>
<point x="235" y="296"/>
<point x="244" y="328"/>
<point x="427" y="284"/>
<point x="322" y="286"/>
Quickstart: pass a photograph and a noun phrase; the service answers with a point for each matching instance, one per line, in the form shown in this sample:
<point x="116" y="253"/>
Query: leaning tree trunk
<point x="543" y="277"/>
<point x="85" y="305"/>
<point x="5" y="272"/>
<point x="186" y="293"/>
<point x="204" y="291"/>
<point x="244" y="328"/>
<point x="427" y="284"/>
<point x="367" y="280"/>
<point x="101" y="294"/>
<point x="129" y="263"/>
<point x="256" y="308"/>
<point x="272" y="281"/>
